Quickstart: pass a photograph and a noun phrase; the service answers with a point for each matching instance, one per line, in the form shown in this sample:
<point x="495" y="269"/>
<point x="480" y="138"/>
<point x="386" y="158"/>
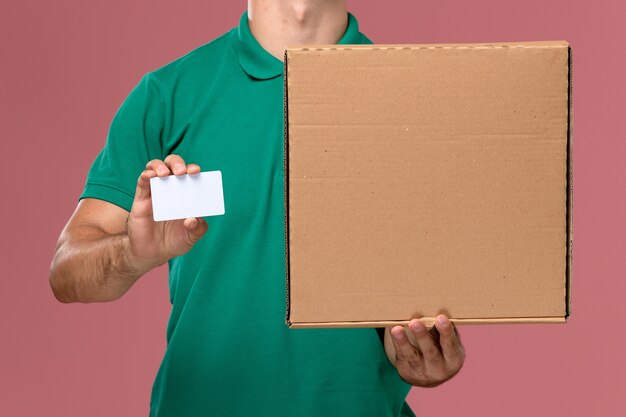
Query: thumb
<point x="143" y="185"/>
<point x="196" y="227"/>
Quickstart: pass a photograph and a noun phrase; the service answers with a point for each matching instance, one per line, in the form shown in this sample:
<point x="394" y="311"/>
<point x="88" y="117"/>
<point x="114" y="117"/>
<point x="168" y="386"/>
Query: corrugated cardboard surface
<point x="427" y="179"/>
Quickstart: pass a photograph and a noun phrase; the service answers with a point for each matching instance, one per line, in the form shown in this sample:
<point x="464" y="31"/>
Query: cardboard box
<point x="428" y="179"/>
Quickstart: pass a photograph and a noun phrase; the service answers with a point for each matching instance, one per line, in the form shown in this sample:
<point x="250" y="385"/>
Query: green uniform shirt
<point x="229" y="352"/>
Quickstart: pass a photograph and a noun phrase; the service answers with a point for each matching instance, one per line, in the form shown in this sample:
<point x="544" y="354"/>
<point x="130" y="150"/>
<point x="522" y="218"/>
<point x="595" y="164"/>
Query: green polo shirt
<point x="229" y="351"/>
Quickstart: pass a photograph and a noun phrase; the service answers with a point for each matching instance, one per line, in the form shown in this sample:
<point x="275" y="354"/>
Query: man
<point x="229" y="352"/>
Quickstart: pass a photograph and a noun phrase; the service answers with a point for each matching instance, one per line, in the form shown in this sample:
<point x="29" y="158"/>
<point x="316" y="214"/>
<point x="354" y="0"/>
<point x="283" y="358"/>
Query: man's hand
<point x="104" y="249"/>
<point x="424" y="357"/>
<point x="153" y="243"/>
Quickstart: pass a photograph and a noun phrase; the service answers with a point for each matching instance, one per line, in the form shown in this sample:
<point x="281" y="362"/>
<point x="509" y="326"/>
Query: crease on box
<point x="429" y="321"/>
<point x="494" y="45"/>
<point x="570" y="192"/>
<point x="286" y="187"/>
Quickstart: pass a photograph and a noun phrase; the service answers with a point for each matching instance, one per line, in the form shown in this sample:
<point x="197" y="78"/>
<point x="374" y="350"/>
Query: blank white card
<point x="179" y="197"/>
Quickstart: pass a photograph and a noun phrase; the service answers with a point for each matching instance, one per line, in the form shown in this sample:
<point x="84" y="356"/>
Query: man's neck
<point x="277" y="24"/>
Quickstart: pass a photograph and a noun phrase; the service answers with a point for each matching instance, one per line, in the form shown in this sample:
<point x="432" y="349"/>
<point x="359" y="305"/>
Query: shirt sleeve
<point x="133" y="139"/>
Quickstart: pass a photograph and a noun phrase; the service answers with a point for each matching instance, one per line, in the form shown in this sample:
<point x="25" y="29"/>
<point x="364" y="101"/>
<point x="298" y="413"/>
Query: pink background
<point x="66" y="67"/>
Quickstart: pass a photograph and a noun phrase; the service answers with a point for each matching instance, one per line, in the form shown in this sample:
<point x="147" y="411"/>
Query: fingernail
<point x="416" y="325"/>
<point x="443" y="321"/>
<point x="396" y="333"/>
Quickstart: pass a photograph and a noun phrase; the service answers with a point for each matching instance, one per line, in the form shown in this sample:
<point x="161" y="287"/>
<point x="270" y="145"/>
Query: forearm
<point x="96" y="267"/>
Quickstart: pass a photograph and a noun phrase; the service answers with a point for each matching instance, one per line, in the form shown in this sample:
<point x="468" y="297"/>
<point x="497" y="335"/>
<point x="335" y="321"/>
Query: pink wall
<point x="67" y="65"/>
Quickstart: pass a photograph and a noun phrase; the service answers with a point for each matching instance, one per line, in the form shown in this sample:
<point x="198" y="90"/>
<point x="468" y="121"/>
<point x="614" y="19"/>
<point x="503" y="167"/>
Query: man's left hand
<point x="429" y="357"/>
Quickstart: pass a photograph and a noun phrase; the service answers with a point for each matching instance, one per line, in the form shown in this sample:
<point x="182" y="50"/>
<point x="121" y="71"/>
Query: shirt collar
<point x="260" y="64"/>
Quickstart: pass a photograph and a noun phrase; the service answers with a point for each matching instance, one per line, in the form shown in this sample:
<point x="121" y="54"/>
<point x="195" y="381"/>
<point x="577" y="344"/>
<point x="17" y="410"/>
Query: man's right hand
<point x="103" y="249"/>
<point x="153" y="243"/>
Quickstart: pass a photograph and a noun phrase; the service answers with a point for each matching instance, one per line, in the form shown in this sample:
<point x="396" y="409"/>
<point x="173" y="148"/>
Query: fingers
<point x="406" y="354"/>
<point x="193" y="169"/>
<point x="173" y="164"/>
<point x="451" y="346"/>
<point x="143" y="184"/>
<point x="159" y="167"/>
<point x="195" y="227"/>
<point x="426" y="343"/>
<point x="176" y="164"/>
<point x="436" y="356"/>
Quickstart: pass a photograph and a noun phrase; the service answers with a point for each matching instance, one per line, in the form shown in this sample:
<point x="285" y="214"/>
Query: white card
<point x="179" y="197"/>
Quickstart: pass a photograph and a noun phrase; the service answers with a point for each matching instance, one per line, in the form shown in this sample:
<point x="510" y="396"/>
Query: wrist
<point x="135" y="263"/>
